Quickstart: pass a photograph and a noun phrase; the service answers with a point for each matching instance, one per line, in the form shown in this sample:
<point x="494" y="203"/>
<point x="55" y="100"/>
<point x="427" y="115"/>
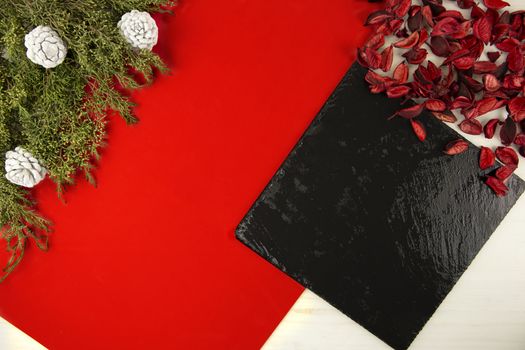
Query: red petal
<point x="411" y="112"/>
<point x="493" y="56"/>
<point x="520" y="140"/>
<point x="515" y="60"/>
<point x="517" y="108"/>
<point x="495" y="4"/>
<point x="435" y="105"/>
<point x="401" y="73"/>
<point x="491" y="82"/>
<point x="419" y="129"/>
<point x="464" y="63"/>
<point x="490" y="128"/>
<point x="445" y="116"/>
<point x="482" y="67"/>
<point x="456" y="147"/>
<point x="499" y="188"/>
<point x="378" y="17"/>
<point x="508" y="131"/>
<point x="487" y="158"/>
<point x="504" y="172"/>
<point x="482" y="29"/>
<point x="387" y="57"/>
<point x="397" y="91"/>
<point x="507" y="155"/>
<point x="409" y="42"/>
<point x="471" y="126"/>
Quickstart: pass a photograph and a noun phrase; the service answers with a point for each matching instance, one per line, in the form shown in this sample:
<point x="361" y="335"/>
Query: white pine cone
<point x="22" y="169"/>
<point x="45" y="47"/>
<point x="139" y="29"/>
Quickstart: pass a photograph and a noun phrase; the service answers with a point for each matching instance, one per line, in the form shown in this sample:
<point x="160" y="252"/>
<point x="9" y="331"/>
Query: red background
<point x="148" y="259"/>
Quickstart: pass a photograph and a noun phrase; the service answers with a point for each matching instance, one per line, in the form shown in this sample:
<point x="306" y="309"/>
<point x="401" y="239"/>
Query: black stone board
<point x="372" y="220"/>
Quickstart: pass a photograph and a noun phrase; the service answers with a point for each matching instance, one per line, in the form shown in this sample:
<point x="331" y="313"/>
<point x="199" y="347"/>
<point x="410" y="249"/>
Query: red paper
<point x="148" y="259"/>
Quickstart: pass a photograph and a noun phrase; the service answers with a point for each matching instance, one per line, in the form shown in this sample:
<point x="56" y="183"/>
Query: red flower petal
<point x="445" y="116"/>
<point x="508" y="131"/>
<point x="419" y="129"/>
<point x="471" y="126"/>
<point x="408" y="42"/>
<point x="456" y="147"/>
<point x="504" y="172"/>
<point x="507" y="155"/>
<point x="397" y="91"/>
<point x="401" y="73"/>
<point x="435" y="105"/>
<point x="491" y="82"/>
<point x="490" y="128"/>
<point x="496" y="185"/>
<point x="411" y="112"/>
<point x="483" y="29"/>
<point x="517" y="108"/>
<point x="487" y="158"/>
<point x="520" y="140"/>
<point x="495" y="4"/>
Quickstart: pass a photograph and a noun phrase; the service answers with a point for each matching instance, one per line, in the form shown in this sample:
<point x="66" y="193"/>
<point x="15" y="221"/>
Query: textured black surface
<point x="377" y="223"/>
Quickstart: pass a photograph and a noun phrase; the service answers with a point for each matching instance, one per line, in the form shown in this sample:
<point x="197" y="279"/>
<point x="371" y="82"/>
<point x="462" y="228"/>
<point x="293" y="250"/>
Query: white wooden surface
<point x="11" y="338"/>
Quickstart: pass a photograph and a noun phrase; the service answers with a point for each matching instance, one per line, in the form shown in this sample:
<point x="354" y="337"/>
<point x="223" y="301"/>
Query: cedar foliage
<point x="59" y="114"/>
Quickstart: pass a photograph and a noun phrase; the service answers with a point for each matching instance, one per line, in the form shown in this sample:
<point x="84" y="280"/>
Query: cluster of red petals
<point x="463" y="81"/>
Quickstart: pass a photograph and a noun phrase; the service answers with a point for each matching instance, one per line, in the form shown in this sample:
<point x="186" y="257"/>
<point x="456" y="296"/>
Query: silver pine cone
<point x="139" y="29"/>
<point x="22" y="168"/>
<point x="45" y="47"/>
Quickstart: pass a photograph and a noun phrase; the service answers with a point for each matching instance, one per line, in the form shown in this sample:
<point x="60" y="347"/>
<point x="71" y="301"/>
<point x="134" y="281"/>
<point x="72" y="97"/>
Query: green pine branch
<point x="59" y="114"/>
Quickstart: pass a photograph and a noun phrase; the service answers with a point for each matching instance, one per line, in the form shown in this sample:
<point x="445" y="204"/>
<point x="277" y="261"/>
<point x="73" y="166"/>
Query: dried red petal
<point x="440" y="46"/>
<point x="435" y="105"/>
<point x="397" y="91"/>
<point x="419" y="129"/>
<point x="522" y="151"/>
<point x="446" y="26"/>
<point x="378" y="17"/>
<point x="516" y="108"/>
<point x="376" y="41"/>
<point x="456" y="147"/>
<point x="464" y="63"/>
<point x="490" y="128"/>
<point x="387" y="56"/>
<point x="495" y="4"/>
<point x="471" y="127"/>
<point x="493" y="56"/>
<point x="496" y="185"/>
<point x="408" y="42"/>
<point x="515" y="60"/>
<point x="489" y="104"/>
<point x="482" y="67"/>
<point x="415" y="56"/>
<point x="401" y="73"/>
<point x="507" y="155"/>
<point x="508" y="132"/>
<point x="411" y="112"/>
<point x="508" y="44"/>
<point x="491" y="83"/>
<point x="487" y="158"/>
<point x="482" y="29"/>
<point x="445" y="116"/>
<point x="520" y="139"/>
<point x="504" y="172"/>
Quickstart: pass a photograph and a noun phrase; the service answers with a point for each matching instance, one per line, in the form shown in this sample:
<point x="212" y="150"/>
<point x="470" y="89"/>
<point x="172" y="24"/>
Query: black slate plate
<point x="372" y="220"/>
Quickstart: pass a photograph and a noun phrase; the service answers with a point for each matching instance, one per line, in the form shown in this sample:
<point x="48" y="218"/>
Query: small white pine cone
<point x="139" y="29"/>
<point x="23" y="169"/>
<point x="45" y="47"/>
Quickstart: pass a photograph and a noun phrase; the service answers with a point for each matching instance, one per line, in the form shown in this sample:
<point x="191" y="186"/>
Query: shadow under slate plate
<point x="372" y="220"/>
